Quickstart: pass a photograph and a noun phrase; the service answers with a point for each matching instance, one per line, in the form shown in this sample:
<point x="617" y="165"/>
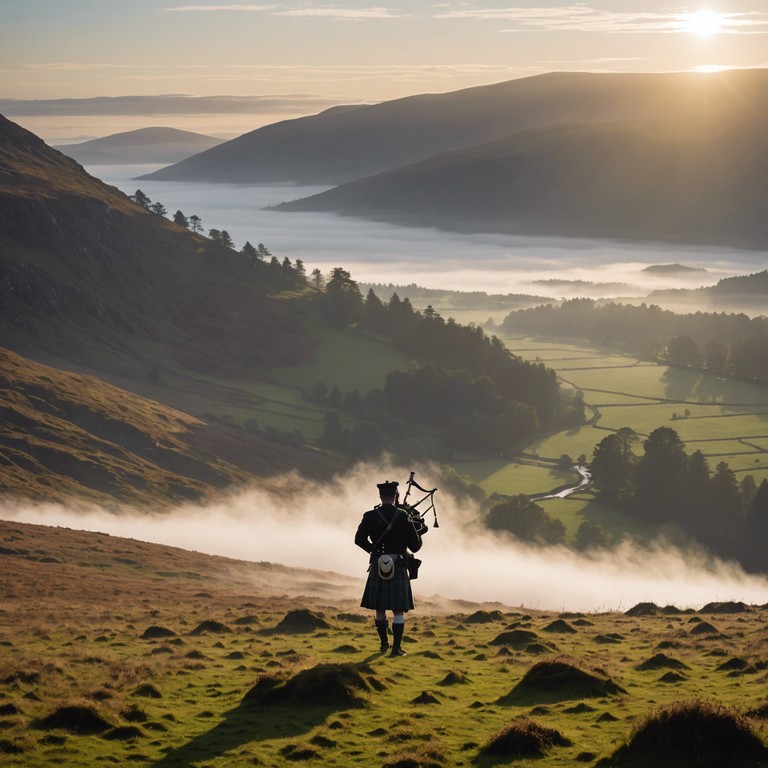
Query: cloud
<point x="172" y="104"/>
<point x="349" y="14"/>
<point x="582" y="18"/>
<point x="250" y="7"/>
<point x="307" y="524"/>
<point x="384" y="253"/>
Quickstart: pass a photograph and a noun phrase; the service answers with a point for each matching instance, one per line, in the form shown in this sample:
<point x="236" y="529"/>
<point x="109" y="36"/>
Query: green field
<point x="726" y="420"/>
<point x="215" y="663"/>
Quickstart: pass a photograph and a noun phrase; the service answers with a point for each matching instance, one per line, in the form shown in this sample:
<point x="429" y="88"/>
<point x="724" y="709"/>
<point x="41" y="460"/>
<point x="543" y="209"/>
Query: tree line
<point x="664" y="485"/>
<point x="467" y="393"/>
<point x="722" y="343"/>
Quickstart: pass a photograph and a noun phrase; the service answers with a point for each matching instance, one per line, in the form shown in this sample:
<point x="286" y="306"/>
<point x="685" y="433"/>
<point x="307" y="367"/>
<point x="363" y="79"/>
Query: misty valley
<point x="214" y="351"/>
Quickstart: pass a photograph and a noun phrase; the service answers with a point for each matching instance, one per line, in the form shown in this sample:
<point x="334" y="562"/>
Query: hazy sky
<point x="299" y="56"/>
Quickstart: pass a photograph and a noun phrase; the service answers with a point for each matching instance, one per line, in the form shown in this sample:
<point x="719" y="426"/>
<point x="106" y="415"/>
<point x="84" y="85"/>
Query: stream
<point x="562" y="492"/>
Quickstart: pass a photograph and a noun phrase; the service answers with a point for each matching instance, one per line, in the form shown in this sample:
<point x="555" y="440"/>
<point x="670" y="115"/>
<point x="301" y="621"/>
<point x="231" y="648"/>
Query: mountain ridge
<point x="626" y="180"/>
<point x="336" y="146"/>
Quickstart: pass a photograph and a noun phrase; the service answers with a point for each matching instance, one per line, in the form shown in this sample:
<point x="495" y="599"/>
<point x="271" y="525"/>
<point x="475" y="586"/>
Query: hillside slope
<point x="90" y="282"/>
<point x="628" y="180"/>
<point x="145" y="145"/>
<point x="347" y="143"/>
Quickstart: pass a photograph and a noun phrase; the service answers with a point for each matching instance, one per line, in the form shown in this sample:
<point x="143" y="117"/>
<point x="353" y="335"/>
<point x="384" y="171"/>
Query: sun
<point x="704" y="23"/>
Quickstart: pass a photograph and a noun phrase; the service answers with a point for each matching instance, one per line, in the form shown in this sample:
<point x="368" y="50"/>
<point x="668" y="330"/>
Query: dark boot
<point x="381" y="628"/>
<point x="397" y="634"/>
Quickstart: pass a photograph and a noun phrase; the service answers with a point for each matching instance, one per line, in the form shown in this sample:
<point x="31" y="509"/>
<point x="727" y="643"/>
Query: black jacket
<point x="401" y="536"/>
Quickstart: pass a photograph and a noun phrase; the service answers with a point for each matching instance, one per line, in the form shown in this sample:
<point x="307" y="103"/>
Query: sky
<point x="259" y="62"/>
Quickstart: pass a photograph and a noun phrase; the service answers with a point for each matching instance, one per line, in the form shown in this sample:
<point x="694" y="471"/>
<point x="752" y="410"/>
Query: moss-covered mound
<point x="643" y="609"/>
<point x="561" y="679"/>
<point x="661" y="661"/>
<point x="484" y="617"/>
<point x="523" y="739"/>
<point x="301" y="621"/>
<point x="211" y="626"/>
<point x="515" y="638"/>
<point x="560" y="627"/>
<point x="339" y="686"/>
<point x="83" y="720"/>
<point x="696" y="734"/>
<point x="155" y="632"/>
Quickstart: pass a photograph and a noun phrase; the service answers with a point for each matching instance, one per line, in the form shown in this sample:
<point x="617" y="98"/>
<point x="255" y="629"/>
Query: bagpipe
<point x="416" y="517"/>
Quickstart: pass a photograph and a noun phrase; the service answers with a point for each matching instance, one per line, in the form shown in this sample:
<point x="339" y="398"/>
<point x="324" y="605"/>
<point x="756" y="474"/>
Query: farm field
<point x="196" y="661"/>
<point x="727" y="420"/>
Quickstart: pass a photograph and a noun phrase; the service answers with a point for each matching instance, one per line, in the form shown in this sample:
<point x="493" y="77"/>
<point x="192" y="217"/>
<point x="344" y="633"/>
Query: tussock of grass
<point x="299" y="622"/>
<point x="156" y="633"/>
<point x="325" y="685"/>
<point x="661" y="661"/>
<point x="212" y="627"/>
<point x="559" y="680"/>
<point x="643" y="609"/>
<point x="693" y="733"/>
<point x="560" y="627"/>
<point x="75" y="718"/>
<point x="523" y="739"/>
<point x="515" y="638"/>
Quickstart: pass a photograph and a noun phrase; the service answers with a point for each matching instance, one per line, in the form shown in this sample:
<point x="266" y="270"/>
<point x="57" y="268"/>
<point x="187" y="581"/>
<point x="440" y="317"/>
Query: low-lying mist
<point x="375" y="252"/>
<point x="312" y="525"/>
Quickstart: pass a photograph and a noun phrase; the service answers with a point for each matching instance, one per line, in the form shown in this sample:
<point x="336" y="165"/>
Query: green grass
<point x="347" y="360"/>
<point x="63" y="646"/>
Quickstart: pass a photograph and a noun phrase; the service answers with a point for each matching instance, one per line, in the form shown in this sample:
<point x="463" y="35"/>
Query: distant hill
<point x="348" y="143"/>
<point x="704" y="184"/>
<point x="145" y="145"/>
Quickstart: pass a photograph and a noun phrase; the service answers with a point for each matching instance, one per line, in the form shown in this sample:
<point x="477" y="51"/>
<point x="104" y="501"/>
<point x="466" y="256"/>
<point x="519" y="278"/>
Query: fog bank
<point x="314" y="527"/>
<point x="375" y="252"/>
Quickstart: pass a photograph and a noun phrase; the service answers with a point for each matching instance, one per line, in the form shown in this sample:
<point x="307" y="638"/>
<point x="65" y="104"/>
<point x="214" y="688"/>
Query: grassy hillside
<point x="635" y="180"/>
<point x="195" y="663"/>
<point x="94" y="284"/>
<point x="73" y="438"/>
<point x="343" y="144"/>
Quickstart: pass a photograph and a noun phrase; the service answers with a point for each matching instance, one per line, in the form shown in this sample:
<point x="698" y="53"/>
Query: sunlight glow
<point x="709" y="68"/>
<point x="704" y="23"/>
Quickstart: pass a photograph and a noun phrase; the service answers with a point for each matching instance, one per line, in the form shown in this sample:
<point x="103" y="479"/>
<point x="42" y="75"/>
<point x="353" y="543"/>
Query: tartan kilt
<point x="388" y="594"/>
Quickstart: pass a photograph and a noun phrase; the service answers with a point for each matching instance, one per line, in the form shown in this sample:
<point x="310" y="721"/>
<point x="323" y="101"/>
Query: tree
<point x="214" y="234"/>
<point x="225" y="239"/>
<point x="249" y="252"/>
<point x="661" y="476"/>
<point x="180" y="219"/>
<point x="263" y="252"/>
<point x="158" y="208"/>
<point x="195" y="223"/>
<point x="526" y="520"/>
<point x="141" y="199"/>
<point x="343" y="302"/>
<point x="591" y="535"/>
<point x="300" y="270"/>
<point x="317" y="280"/>
<point x="683" y="351"/>
<point x="612" y="466"/>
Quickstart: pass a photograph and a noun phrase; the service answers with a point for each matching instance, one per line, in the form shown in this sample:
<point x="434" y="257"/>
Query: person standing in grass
<point x="386" y="533"/>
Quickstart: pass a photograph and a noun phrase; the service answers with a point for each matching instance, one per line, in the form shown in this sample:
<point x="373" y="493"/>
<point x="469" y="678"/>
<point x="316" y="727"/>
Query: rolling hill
<point x="348" y="143"/>
<point x="704" y="184"/>
<point x="93" y="284"/>
<point x="145" y="145"/>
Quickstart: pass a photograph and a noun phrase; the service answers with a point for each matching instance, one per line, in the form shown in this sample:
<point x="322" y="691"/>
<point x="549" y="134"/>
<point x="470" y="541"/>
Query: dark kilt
<point x="388" y="594"/>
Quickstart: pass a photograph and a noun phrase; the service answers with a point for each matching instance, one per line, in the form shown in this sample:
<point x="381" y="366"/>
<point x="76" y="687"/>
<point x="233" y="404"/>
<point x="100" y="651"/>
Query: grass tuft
<point x="523" y="739"/>
<point x="694" y="733"/>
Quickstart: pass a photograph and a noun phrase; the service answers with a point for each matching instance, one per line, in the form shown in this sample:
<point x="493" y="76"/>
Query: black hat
<point x="388" y="488"/>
